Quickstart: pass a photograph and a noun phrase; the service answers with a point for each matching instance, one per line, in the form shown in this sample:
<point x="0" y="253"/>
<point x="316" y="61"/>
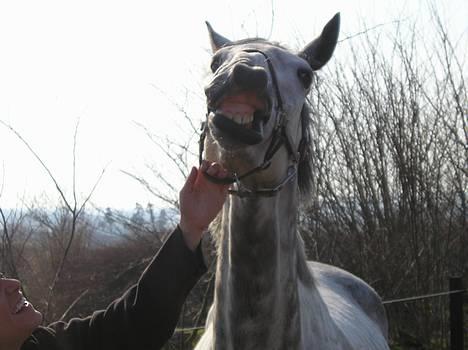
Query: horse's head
<point x="255" y="99"/>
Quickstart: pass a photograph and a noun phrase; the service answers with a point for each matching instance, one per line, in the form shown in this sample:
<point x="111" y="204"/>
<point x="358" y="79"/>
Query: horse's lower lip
<point x="237" y="132"/>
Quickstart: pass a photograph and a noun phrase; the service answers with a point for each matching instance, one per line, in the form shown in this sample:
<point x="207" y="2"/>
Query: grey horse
<point x="267" y="295"/>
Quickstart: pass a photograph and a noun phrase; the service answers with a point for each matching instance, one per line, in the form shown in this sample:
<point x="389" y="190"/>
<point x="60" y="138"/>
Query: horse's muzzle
<point x="239" y="103"/>
<point x="246" y="77"/>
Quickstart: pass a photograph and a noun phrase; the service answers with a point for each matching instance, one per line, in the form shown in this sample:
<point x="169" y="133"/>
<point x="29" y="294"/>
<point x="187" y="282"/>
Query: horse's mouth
<point x="240" y="117"/>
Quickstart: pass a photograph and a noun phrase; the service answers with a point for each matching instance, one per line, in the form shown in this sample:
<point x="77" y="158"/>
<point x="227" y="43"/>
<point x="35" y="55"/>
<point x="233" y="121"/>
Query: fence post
<point x="456" y="314"/>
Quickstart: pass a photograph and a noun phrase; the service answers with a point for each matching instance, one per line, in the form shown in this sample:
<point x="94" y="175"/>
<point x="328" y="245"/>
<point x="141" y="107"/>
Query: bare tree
<point x="390" y="190"/>
<point x="72" y="207"/>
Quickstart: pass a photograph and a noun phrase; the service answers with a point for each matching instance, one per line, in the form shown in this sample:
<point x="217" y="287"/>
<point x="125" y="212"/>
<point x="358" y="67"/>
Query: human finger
<point x="214" y="169"/>
<point x="204" y="165"/>
<point x="190" y="180"/>
<point x="223" y="173"/>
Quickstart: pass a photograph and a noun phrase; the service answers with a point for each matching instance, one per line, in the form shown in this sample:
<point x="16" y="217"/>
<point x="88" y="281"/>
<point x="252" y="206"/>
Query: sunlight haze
<point x="115" y="65"/>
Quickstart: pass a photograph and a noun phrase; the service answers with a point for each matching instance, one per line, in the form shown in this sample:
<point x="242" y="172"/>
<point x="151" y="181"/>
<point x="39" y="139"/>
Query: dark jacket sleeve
<point x="143" y="318"/>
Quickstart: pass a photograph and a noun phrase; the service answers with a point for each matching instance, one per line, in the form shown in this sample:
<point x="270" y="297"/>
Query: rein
<point x="278" y="139"/>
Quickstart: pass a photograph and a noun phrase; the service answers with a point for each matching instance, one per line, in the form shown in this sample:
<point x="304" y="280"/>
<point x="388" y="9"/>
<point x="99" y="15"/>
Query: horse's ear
<point x="319" y="51"/>
<point x="217" y="41"/>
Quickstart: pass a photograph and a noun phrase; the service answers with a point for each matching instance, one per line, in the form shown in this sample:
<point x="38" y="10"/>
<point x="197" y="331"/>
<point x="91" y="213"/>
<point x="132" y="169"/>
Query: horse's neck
<point x="256" y="287"/>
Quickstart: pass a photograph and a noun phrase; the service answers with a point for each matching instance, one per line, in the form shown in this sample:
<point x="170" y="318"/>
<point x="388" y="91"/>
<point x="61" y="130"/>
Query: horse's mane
<point x="305" y="169"/>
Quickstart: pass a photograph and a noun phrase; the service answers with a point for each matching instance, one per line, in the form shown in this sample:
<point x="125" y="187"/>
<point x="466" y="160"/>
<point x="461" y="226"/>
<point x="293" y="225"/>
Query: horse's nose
<point x="250" y="77"/>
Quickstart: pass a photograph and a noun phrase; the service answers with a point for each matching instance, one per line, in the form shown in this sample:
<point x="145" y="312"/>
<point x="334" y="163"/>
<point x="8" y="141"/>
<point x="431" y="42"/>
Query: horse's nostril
<point x="250" y="77"/>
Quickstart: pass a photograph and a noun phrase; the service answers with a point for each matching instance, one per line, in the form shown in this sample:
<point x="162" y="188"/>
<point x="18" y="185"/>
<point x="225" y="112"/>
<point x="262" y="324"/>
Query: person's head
<point x="18" y="318"/>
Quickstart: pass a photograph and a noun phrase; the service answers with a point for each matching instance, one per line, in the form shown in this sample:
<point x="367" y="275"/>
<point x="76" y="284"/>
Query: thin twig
<point x="272" y="19"/>
<point x="92" y="190"/>
<point x="74" y="162"/>
<point x="44" y="166"/>
<point x="398" y="21"/>
<point x="72" y="305"/>
<point x="145" y="184"/>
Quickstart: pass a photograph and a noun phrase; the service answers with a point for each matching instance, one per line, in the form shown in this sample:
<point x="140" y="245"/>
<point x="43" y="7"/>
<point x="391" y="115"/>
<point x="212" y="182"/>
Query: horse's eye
<point x="215" y="64"/>
<point x="305" y="76"/>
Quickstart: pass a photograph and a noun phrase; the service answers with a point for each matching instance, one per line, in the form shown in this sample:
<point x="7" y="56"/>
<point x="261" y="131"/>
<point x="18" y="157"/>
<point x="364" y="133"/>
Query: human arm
<point x="200" y="201"/>
<point x="146" y="315"/>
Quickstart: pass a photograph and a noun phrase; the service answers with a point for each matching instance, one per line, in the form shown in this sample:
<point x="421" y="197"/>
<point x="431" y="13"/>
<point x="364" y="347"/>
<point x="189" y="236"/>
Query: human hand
<point x="200" y="201"/>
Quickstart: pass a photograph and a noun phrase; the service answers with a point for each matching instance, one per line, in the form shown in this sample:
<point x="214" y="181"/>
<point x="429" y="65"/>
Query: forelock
<point x="256" y="41"/>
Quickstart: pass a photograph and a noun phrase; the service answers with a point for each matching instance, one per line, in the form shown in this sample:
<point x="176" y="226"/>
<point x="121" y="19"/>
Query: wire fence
<point x="456" y="294"/>
<point x="426" y="296"/>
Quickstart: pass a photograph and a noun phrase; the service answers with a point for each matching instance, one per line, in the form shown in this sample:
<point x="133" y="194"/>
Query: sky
<point x="116" y="67"/>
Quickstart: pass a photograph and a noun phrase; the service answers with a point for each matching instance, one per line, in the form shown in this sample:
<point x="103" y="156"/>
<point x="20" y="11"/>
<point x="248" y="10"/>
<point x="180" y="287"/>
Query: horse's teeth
<point x="242" y="119"/>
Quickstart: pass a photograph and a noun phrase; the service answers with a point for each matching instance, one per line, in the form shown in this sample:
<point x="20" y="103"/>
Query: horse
<point x="267" y="295"/>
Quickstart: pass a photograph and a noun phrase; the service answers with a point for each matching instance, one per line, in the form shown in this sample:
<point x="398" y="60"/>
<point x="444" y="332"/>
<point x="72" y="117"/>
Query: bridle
<point x="278" y="139"/>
